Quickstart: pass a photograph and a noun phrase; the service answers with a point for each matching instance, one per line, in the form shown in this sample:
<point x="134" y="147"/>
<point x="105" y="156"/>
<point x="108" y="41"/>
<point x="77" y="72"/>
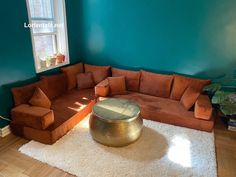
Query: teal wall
<point x="16" y="56"/>
<point x="193" y="37"/>
<point x="184" y="36"/>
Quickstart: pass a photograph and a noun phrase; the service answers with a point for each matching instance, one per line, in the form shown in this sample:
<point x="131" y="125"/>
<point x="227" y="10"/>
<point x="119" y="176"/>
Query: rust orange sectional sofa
<point x="69" y="106"/>
<point x="158" y="95"/>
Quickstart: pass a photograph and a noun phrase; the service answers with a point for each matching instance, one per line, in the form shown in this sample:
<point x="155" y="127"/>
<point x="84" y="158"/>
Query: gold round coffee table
<point x="115" y="122"/>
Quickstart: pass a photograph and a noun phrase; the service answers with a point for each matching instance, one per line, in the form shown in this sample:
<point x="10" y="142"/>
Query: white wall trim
<point x="5" y="131"/>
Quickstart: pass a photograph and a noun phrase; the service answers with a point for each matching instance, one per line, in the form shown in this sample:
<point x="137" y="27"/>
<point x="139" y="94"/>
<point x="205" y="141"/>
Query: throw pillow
<point x="40" y="99"/>
<point x="189" y="97"/>
<point x="99" y="72"/>
<point x="85" y="80"/>
<point x="117" y="85"/>
<point x="132" y="78"/>
<point x="71" y="73"/>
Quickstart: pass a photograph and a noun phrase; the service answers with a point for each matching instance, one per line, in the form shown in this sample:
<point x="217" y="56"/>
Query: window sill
<point x="51" y="67"/>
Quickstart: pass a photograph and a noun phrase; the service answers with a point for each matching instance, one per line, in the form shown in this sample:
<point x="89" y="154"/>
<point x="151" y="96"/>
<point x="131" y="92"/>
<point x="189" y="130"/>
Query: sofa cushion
<point x="155" y="84"/>
<point x="167" y="111"/>
<point x="203" y="108"/>
<point x="189" y="97"/>
<point x="85" y="80"/>
<point x="70" y="103"/>
<point x="99" y="72"/>
<point x="40" y="99"/>
<point x="117" y="85"/>
<point x="102" y="88"/>
<point x="23" y="94"/>
<point x="71" y="73"/>
<point x="32" y="116"/>
<point x="181" y="83"/>
<point x="56" y="85"/>
<point x="132" y="78"/>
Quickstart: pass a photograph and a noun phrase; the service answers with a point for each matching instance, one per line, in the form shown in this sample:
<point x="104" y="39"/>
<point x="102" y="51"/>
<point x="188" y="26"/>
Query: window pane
<point x="45" y="46"/>
<point x="41" y="8"/>
<point x="42" y="26"/>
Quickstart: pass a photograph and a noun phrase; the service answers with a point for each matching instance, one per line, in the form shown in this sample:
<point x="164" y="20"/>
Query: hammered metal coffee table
<point x="115" y="122"/>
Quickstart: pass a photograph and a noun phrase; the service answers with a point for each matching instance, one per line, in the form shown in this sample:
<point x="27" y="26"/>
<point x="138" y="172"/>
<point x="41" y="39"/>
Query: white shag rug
<point x="161" y="151"/>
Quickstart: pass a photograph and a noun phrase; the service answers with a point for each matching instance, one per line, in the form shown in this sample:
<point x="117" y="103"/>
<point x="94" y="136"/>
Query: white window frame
<point x="57" y="18"/>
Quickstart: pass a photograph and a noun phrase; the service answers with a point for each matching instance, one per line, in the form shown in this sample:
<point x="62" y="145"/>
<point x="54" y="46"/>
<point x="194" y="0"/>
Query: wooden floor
<point x="15" y="164"/>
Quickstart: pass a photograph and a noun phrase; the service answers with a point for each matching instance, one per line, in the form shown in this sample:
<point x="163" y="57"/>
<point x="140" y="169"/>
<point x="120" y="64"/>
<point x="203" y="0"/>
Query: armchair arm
<point x="32" y="116"/>
<point x="102" y="88"/>
<point x="203" y="108"/>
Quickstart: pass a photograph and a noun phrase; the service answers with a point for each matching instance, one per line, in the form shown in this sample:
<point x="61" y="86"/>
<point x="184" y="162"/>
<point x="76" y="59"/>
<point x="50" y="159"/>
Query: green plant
<point x="225" y="99"/>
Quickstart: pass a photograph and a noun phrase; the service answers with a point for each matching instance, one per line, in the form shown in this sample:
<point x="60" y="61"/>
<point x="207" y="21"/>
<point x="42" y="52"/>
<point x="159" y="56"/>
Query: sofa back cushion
<point x="22" y="95"/>
<point x="56" y="85"/>
<point x="132" y="78"/>
<point x="155" y="84"/>
<point x="181" y="83"/>
<point x="99" y="72"/>
<point x="71" y="73"/>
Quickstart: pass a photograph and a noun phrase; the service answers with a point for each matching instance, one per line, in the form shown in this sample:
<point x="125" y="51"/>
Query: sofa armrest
<point x="32" y="116"/>
<point x="203" y="108"/>
<point x="102" y="88"/>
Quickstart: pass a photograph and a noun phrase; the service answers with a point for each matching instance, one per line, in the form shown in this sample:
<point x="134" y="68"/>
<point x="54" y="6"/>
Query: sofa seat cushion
<point x="181" y="83"/>
<point x="32" y="116"/>
<point x="155" y="84"/>
<point x="69" y="104"/>
<point x="132" y="78"/>
<point x="69" y="109"/>
<point x="71" y="73"/>
<point x="167" y="111"/>
<point x="99" y="72"/>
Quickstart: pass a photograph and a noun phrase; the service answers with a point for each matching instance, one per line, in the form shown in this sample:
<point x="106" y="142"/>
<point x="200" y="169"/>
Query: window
<point x="47" y="22"/>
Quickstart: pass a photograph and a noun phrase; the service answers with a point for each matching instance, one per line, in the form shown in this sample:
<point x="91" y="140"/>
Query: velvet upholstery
<point x="132" y="78"/>
<point x="32" y="116"/>
<point x="71" y="73"/>
<point x="203" y="108"/>
<point x="85" y="80"/>
<point x="189" y="97"/>
<point x="22" y="95"/>
<point x="56" y="85"/>
<point x="69" y="109"/>
<point x="102" y="89"/>
<point x="40" y="99"/>
<point x="155" y="84"/>
<point x="99" y="72"/>
<point x="167" y="111"/>
<point x="181" y="83"/>
<point x="117" y="85"/>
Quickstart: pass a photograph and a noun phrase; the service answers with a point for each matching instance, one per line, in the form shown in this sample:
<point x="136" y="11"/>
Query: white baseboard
<point x="5" y="131"/>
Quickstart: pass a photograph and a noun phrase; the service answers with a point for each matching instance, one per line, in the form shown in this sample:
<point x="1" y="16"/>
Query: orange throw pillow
<point x="85" y="80"/>
<point x="117" y="85"/>
<point x="99" y="72"/>
<point x="40" y="99"/>
<point x="189" y="97"/>
<point x="71" y="72"/>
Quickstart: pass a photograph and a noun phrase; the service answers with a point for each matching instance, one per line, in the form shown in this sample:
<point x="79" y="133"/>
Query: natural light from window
<point x="47" y="23"/>
<point x="180" y="152"/>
